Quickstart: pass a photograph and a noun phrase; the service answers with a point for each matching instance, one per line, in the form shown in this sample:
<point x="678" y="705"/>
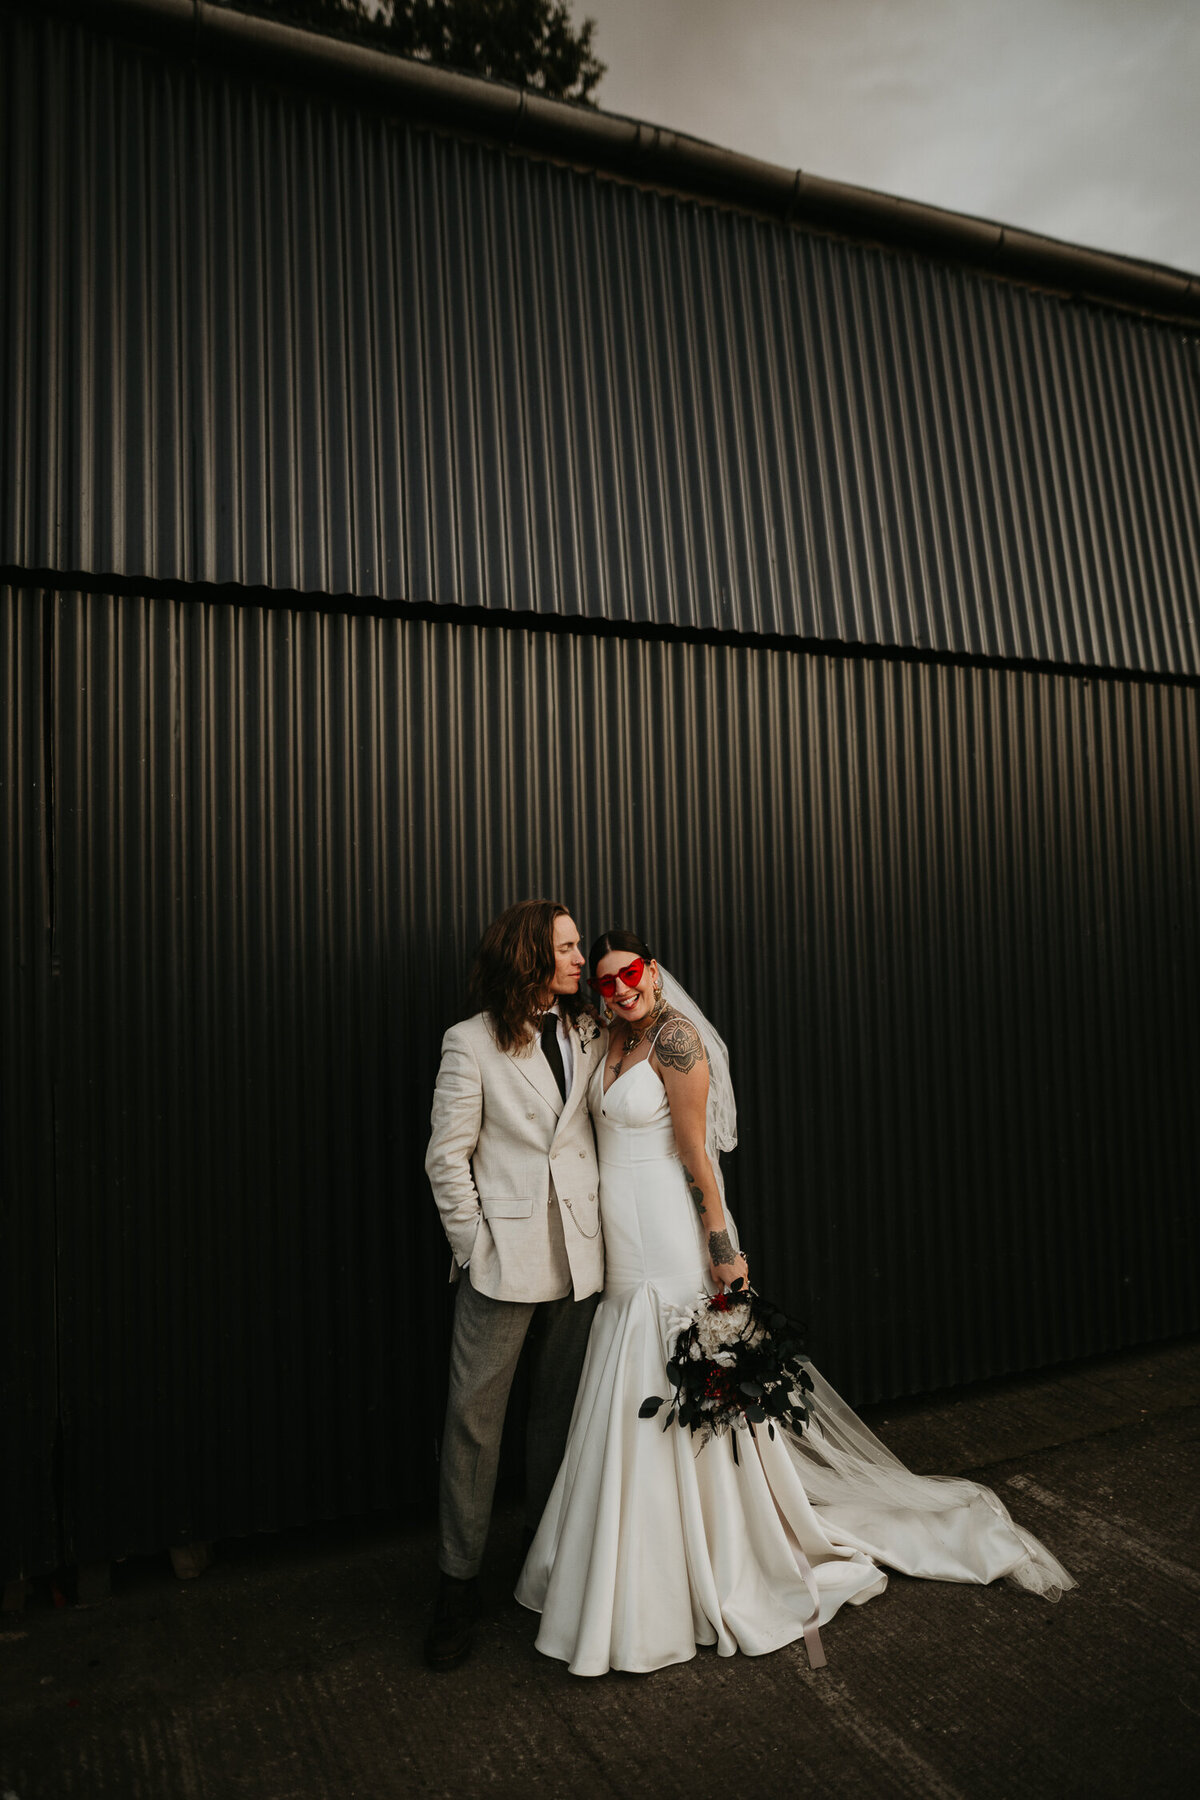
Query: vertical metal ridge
<point x="30" y="1519"/>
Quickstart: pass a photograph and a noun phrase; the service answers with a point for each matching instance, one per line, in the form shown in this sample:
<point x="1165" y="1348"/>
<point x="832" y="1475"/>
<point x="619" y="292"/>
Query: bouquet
<point x="737" y="1361"/>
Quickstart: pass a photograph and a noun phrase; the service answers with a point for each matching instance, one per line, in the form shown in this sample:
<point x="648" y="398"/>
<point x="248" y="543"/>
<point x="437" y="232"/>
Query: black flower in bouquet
<point x="737" y="1361"/>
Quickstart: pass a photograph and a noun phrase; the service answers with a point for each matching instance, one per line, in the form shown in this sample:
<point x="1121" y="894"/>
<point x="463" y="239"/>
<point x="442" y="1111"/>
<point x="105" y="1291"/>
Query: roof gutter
<point x="646" y="154"/>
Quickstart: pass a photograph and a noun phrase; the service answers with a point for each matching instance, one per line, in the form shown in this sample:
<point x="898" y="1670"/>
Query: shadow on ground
<point x="291" y="1669"/>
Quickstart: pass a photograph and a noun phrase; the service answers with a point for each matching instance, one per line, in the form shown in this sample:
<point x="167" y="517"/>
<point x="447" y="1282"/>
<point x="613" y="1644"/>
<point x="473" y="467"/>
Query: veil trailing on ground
<point x="907" y="1521"/>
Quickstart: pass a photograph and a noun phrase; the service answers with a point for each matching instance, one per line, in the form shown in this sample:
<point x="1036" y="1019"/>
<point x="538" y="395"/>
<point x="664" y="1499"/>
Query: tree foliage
<point x="531" y="42"/>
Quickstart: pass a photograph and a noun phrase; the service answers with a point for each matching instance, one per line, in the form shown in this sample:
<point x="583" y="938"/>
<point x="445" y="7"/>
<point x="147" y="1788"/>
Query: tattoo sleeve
<point x="720" y="1249"/>
<point x="695" y="1190"/>
<point x="679" y="1045"/>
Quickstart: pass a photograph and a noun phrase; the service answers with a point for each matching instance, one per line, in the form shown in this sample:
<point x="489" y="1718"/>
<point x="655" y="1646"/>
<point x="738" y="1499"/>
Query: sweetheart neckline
<point x="644" y="1064"/>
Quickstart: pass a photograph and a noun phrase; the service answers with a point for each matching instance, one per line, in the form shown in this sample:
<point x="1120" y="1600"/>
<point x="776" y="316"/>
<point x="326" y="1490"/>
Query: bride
<point x="651" y="1542"/>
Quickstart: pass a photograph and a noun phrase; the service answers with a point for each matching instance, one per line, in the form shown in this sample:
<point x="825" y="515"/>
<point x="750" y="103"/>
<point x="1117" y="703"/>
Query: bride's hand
<point x="726" y="1273"/>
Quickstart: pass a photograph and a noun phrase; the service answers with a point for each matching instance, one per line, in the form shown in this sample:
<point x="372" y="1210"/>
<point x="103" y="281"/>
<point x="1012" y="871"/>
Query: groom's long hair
<point x="514" y="965"/>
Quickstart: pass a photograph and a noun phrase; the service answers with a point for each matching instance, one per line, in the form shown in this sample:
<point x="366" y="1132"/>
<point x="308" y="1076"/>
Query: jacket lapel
<point x="538" y="1074"/>
<point x="581" y="1073"/>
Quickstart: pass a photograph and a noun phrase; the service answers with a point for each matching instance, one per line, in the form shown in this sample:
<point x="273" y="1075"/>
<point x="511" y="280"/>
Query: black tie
<point x="553" y="1053"/>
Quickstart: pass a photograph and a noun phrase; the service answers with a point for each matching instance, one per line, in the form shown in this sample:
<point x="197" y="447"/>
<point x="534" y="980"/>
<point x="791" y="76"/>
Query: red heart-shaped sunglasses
<point x="631" y="975"/>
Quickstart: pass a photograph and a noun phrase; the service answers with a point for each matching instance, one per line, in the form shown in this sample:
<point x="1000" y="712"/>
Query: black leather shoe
<point x="448" y="1640"/>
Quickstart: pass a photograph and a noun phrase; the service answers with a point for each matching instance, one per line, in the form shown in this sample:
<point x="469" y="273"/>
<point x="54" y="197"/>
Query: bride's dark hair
<point x="618" y="938"/>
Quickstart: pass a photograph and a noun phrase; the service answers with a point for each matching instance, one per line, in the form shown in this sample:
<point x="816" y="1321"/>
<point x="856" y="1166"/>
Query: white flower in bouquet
<point x="714" y="1330"/>
<point x="677" y="1319"/>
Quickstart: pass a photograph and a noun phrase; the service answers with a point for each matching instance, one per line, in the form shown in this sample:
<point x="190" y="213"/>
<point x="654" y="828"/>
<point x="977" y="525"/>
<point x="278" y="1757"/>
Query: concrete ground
<point x="291" y="1669"/>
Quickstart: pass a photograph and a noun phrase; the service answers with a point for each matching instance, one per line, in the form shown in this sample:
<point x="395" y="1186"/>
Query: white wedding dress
<point x="652" y="1543"/>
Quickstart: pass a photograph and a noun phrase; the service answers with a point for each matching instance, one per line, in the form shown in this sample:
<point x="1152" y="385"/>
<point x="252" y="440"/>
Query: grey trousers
<point x="488" y="1338"/>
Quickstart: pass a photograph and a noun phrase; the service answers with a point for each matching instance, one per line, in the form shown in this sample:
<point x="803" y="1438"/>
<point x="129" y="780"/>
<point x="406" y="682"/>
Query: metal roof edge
<point x="648" y="154"/>
<point x="502" y="618"/>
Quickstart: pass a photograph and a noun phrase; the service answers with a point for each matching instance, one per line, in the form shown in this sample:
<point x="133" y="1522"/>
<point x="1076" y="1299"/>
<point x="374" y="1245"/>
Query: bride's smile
<point x="627" y="986"/>
<point x="633" y="1003"/>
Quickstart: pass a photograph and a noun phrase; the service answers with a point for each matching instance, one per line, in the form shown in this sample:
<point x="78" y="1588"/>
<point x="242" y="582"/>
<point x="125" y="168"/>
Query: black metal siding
<point x="255" y="336"/>
<point x="945" y="913"/>
<point x="29" y="1495"/>
<point x="946" y="917"/>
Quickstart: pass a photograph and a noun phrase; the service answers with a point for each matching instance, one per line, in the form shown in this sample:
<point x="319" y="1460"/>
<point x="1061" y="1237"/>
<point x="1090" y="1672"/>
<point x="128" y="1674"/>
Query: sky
<point x="1077" y="118"/>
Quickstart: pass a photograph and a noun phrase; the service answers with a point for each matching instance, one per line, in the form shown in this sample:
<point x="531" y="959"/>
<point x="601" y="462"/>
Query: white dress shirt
<point x="564" y="1045"/>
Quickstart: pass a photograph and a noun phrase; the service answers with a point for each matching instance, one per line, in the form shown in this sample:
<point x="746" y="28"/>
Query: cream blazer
<point x="506" y="1150"/>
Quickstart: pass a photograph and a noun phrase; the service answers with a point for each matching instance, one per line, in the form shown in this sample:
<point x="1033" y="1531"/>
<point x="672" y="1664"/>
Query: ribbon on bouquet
<point x="812" y="1636"/>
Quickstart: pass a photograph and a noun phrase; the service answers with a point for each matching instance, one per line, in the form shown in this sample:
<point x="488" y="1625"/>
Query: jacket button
<point x="529" y="1115"/>
<point x="583" y="1156"/>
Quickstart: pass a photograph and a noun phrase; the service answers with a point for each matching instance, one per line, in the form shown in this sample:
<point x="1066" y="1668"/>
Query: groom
<point x="512" y="1164"/>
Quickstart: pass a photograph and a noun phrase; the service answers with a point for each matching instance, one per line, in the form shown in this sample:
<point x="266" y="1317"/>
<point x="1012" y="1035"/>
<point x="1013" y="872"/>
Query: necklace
<point x="634" y="1038"/>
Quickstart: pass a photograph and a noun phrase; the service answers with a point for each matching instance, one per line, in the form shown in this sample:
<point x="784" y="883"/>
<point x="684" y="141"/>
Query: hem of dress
<point x="612" y="1668"/>
<point x="800" y="1636"/>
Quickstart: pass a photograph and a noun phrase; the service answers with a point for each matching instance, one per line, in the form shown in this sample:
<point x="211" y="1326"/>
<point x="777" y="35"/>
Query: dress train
<point x="653" y="1543"/>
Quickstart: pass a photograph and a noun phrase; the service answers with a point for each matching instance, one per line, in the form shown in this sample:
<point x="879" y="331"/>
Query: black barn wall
<point x="255" y="334"/>
<point x="945" y="916"/>
<point x="30" y="1491"/>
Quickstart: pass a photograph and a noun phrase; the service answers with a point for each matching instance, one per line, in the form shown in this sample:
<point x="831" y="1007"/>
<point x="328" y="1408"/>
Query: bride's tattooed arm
<point x="720" y="1248"/>
<point x="679" y="1048"/>
<point x="679" y="1045"/>
<point x="695" y="1190"/>
<point x="683" y="1064"/>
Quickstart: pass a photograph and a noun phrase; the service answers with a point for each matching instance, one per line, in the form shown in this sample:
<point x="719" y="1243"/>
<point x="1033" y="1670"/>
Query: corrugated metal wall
<point x="944" y="913"/>
<point x="254" y="336"/>
<point x="29" y="1491"/>
<point x="946" y="917"/>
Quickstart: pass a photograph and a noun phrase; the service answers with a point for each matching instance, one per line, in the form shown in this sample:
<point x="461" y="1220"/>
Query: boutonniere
<point x="587" y="1024"/>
